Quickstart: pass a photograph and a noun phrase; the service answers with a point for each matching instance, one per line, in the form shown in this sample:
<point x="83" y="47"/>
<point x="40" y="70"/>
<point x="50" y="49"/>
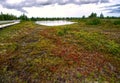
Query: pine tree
<point x="23" y="17"/>
<point x="101" y="15"/>
<point x="93" y="15"/>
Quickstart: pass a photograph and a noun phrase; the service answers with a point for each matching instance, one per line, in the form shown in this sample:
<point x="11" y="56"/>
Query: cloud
<point x="113" y="8"/>
<point x="21" y="4"/>
<point x="116" y="10"/>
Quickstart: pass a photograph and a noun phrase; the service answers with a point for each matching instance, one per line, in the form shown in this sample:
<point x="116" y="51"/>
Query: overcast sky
<point x="60" y="8"/>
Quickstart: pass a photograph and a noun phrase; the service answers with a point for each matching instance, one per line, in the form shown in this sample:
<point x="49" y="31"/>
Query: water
<point x="8" y="23"/>
<point x="54" y="23"/>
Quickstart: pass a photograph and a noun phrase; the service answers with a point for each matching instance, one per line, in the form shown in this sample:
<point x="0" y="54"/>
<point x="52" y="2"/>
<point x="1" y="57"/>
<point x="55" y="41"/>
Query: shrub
<point x="117" y="22"/>
<point x="96" y="41"/>
<point x="63" y="31"/>
<point x="93" y="21"/>
<point x="113" y="48"/>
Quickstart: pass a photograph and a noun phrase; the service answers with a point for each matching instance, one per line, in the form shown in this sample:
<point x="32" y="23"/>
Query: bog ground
<point x="84" y="52"/>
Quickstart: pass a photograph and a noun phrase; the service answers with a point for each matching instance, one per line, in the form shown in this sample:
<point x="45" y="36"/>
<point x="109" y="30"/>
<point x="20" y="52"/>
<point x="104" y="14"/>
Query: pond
<point x="54" y="23"/>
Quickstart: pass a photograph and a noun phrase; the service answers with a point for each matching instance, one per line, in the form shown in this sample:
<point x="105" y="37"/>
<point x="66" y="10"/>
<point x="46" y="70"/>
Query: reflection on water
<point x="54" y="23"/>
<point x="8" y="23"/>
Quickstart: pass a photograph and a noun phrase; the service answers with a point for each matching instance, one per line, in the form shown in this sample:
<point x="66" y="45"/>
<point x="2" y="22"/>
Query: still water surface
<point x="54" y="23"/>
<point x="8" y="23"/>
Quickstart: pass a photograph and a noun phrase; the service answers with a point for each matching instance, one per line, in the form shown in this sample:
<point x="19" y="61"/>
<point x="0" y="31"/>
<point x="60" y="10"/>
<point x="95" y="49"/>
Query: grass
<point x="61" y="54"/>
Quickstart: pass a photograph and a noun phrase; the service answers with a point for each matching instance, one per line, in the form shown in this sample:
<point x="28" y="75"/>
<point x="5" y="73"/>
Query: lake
<point x="54" y="23"/>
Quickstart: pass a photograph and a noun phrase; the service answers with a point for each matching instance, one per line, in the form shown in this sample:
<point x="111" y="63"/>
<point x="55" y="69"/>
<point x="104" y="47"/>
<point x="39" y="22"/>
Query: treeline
<point x="92" y="15"/>
<point x="25" y="18"/>
<point x="7" y="17"/>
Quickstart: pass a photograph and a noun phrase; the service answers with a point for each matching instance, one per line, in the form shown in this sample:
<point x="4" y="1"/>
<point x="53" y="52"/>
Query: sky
<point x="60" y="8"/>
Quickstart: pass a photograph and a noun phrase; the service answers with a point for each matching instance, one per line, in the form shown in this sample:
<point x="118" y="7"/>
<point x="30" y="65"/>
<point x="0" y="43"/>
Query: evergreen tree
<point x="1" y="16"/>
<point x="101" y="15"/>
<point x="93" y="15"/>
<point x="7" y="17"/>
<point x="83" y="17"/>
<point x="23" y="17"/>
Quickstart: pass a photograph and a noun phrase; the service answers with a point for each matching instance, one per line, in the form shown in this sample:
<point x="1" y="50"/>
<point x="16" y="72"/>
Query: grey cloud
<point x="30" y="3"/>
<point x="104" y="1"/>
<point x="113" y="8"/>
<point x="117" y="10"/>
<point x="116" y="5"/>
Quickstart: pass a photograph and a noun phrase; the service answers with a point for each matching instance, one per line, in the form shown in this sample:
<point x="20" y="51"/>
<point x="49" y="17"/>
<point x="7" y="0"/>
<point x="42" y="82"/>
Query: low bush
<point x="93" y="21"/>
<point x="63" y="31"/>
<point x="117" y="22"/>
<point x="96" y="41"/>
